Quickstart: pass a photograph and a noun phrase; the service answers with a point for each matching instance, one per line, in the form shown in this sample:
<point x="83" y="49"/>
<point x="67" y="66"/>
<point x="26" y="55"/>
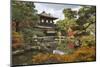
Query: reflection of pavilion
<point x="46" y="23"/>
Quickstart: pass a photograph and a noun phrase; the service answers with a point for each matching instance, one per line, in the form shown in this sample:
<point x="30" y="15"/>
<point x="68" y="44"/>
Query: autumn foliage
<point x="82" y="54"/>
<point x="16" y="40"/>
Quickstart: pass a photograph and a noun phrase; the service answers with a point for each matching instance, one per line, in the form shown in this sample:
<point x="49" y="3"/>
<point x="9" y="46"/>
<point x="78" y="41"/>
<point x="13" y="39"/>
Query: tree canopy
<point x="69" y="13"/>
<point x="85" y="18"/>
<point x="22" y="10"/>
<point x="78" y="23"/>
<point x="69" y="20"/>
<point x="25" y="13"/>
<point x="24" y="16"/>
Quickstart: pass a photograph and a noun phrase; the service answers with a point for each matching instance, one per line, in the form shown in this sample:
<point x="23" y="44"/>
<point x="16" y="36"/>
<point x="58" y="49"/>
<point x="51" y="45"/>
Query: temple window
<point x="42" y="20"/>
<point x="47" y="21"/>
<point x="50" y="21"/>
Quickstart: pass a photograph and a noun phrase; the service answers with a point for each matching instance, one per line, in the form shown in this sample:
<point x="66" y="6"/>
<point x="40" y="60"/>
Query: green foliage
<point x="23" y="11"/>
<point x="66" y="23"/>
<point x="69" y="20"/>
<point x="23" y="14"/>
<point x="28" y="34"/>
<point x="68" y="13"/>
<point x="25" y="17"/>
<point x="83" y="26"/>
<point x="88" y="40"/>
<point x="86" y="16"/>
<point x="62" y="46"/>
<point x="86" y="19"/>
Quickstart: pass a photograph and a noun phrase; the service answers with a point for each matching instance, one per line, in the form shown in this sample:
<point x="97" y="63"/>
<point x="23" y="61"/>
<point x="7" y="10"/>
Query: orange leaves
<point x="85" y="53"/>
<point x="82" y="54"/>
<point x="16" y="40"/>
<point x="40" y="58"/>
<point x="15" y="37"/>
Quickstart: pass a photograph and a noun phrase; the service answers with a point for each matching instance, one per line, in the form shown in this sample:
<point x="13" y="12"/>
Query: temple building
<point x="46" y="23"/>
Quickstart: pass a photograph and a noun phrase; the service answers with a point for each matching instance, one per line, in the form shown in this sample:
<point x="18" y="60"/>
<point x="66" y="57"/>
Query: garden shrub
<point x="17" y="40"/>
<point x="81" y="54"/>
<point x="88" y="40"/>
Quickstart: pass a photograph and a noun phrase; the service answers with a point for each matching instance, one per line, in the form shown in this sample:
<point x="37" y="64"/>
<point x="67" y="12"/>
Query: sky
<point x="55" y="9"/>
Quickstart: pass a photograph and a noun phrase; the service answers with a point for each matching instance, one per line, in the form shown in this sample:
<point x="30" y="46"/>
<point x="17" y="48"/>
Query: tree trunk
<point x="17" y="27"/>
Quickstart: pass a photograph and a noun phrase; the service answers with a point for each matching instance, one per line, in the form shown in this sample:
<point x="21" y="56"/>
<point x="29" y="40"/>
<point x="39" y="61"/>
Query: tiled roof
<point x="47" y="15"/>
